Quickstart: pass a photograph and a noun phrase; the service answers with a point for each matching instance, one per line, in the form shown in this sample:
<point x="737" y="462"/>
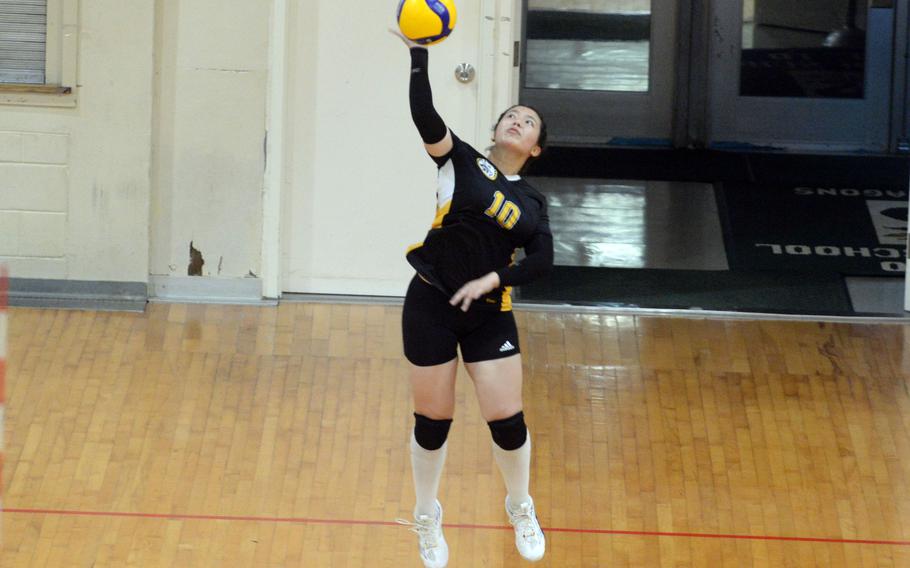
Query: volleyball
<point x="426" y="21"/>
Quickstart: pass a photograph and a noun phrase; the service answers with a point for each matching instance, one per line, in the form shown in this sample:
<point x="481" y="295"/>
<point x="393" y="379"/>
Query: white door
<point x="359" y="187"/>
<point x="602" y="71"/>
<point x="814" y="75"/>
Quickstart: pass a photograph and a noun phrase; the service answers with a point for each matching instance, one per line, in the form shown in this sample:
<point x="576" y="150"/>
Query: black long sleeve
<point x="429" y="124"/>
<point x="537" y="262"/>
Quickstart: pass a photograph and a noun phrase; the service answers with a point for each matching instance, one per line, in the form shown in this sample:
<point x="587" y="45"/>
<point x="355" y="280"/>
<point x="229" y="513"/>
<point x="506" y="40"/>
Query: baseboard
<point x="345" y="286"/>
<point x="298" y="298"/>
<point x="204" y="290"/>
<point x="78" y="294"/>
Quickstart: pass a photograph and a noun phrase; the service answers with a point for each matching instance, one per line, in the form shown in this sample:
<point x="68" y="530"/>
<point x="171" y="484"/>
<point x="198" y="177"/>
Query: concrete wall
<point x="161" y="145"/>
<point x="74" y="182"/>
<point x="209" y="136"/>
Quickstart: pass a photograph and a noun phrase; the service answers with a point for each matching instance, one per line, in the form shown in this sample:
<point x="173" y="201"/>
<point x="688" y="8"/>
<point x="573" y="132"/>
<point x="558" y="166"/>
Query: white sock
<point x="515" y="466"/>
<point x="427" y="468"/>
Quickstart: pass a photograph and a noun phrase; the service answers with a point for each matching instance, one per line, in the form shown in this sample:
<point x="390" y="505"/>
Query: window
<point x="23" y="36"/>
<point x="38" y="51"/>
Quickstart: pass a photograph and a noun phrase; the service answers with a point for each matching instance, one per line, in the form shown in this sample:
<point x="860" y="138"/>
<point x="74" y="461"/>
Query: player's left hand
<point x="474" y="290"/>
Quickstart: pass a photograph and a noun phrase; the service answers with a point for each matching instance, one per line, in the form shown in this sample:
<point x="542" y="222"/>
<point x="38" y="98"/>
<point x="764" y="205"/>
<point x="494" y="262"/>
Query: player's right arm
<point x="435" y="134"/>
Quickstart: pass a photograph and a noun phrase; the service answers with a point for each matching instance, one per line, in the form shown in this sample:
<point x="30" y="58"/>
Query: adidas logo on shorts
<point x="507" y="346"/>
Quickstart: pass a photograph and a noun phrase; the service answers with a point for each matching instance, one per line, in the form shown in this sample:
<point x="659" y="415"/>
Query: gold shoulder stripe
<point x="441" y="212"/>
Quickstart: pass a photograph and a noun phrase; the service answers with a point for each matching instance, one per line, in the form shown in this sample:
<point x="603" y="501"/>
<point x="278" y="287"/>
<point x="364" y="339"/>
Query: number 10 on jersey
<point x="505" y="212"/>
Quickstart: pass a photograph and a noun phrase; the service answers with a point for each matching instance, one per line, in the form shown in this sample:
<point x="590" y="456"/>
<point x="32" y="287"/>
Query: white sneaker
<point x="433" y="548"/>
<point x="529" y="539"/>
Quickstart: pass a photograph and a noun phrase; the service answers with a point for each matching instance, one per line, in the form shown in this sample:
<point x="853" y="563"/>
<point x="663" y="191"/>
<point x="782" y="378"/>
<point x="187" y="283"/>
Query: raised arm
<point x="436" y="136"/>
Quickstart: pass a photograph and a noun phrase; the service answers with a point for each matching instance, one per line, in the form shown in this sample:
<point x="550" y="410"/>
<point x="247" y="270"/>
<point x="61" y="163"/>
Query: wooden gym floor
<point x="219" y="436"/>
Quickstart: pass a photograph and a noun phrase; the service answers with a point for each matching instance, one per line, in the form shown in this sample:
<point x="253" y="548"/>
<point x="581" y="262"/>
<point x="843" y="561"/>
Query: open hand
<point x="474" y="290"/>
<point x="409" y="43"/>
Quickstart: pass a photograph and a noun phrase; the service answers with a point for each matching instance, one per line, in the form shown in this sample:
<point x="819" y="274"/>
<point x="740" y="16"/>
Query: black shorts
<point x="432" y="328"/>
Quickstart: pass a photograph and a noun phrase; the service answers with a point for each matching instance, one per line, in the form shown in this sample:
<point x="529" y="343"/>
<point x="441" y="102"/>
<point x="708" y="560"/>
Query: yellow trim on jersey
<point x="441" y="212"/>
<point x="506" y="305"/>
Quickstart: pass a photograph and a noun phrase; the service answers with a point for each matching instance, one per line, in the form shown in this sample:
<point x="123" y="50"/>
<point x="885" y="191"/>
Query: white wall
<point x="74" y="182"/>
<point x="165" y="146"/>
<point x="210" y="83"/>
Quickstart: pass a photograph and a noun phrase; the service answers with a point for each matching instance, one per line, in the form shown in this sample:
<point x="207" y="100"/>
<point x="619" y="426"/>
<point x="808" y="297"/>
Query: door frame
<point x="273" y="179"/>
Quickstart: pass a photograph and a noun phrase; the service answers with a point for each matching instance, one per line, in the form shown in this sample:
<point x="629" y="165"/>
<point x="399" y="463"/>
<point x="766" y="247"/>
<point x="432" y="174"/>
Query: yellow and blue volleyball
<point x="426" y="21"/>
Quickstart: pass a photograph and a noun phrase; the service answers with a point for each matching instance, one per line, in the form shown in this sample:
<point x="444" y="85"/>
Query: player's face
<point x="519" y="130"/>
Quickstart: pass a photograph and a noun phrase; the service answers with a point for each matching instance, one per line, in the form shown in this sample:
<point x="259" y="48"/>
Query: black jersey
<point x="482" y="217"/>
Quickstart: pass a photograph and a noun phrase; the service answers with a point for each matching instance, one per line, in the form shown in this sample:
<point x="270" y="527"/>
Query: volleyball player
<point x="461" y="296"/>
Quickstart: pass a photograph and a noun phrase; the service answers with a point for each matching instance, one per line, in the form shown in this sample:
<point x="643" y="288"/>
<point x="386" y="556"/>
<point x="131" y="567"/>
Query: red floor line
<point x="351" y="522"/>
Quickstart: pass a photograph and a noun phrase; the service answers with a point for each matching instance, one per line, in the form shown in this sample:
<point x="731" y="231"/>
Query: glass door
<point x="601" y="71"/>
<point x="809" y="75"/>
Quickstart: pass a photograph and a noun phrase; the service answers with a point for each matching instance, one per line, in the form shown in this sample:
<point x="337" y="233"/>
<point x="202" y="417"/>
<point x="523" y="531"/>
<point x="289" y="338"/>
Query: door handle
<point x="464" y="72"/>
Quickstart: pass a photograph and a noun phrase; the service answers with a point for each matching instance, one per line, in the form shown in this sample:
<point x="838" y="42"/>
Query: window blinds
<point x="23" y="33"/>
